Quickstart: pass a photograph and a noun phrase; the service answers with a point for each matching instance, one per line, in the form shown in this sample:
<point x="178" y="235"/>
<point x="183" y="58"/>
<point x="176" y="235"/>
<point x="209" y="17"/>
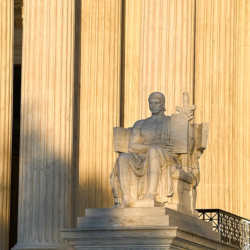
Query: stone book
<point x="121" y="139"/>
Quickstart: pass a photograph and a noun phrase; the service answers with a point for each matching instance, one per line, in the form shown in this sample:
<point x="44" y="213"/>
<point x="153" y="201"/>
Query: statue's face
<point x="155" y="105"/>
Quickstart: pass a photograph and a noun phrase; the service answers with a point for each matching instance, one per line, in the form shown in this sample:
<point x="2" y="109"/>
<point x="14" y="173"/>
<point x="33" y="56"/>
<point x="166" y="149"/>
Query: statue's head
<point x="156" y="102"/>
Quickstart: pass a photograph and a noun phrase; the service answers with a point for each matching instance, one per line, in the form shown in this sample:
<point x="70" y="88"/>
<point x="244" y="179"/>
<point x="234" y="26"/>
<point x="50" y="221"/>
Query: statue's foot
<point x="146" y="202"/>
<point x="161" y="201"/>
<point x="125" y="203"/>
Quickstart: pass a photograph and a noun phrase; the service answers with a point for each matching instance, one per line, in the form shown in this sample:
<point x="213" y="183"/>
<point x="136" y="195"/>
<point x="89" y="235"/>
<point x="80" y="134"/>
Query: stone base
<point x="33" y="246"/>
<point x="141" y="228"/>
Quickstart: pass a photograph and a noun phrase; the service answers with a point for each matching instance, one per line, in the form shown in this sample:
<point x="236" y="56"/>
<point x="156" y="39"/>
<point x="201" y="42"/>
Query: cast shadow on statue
<point x="158" y="163"/>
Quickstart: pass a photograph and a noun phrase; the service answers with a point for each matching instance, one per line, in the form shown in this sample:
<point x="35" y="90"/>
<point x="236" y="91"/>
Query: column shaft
<point x="242" y="112"/>
<point x="159" y="53"/>
<point x="222" y="98"/>
<point x="46" y="171"/>
<point x="6" y="77"/>
<point x="100" y="99"/>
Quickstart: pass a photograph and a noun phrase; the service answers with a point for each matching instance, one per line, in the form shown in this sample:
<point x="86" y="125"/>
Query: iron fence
<point x="233" y="229"/>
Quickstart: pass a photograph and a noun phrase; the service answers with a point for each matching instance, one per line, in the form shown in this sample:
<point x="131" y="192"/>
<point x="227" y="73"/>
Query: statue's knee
<point x="153" y="151"/>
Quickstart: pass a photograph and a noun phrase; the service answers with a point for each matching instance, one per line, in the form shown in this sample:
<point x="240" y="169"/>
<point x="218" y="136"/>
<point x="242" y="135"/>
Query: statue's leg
<point x="194" y="196"/>
<point x="171" y="169"/>
<point x="153" y="173"/>
<point x="114" y="182"/>
<point x="123" y="173"/>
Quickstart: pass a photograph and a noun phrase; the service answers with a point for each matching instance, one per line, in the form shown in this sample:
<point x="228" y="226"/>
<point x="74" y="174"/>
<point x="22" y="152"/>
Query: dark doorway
<point x="15" y="153"/>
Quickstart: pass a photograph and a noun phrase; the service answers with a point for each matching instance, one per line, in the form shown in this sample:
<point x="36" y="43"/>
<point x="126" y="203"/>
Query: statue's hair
<point x="160" y="96"/>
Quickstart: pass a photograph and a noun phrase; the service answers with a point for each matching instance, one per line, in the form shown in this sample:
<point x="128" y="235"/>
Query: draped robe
<point x="132" y="169"/>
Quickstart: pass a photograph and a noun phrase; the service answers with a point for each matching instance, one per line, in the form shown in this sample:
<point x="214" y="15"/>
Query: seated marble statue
<point x="153" y="154"/>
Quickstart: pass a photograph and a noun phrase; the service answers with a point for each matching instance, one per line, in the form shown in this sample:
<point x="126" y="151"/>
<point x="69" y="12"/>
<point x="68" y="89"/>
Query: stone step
<point x="142" y="218"/>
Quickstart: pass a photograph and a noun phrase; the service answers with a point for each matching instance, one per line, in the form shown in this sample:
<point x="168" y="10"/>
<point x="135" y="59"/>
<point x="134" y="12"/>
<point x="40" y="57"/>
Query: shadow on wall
<point x="47" y="188"/>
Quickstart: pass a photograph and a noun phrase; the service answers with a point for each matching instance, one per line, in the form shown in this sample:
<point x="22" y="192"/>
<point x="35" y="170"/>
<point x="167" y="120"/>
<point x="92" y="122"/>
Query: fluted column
<point x="222" y="97"/>
<point x="46" y="171"/>
<point x="100" y="99"/>
<point x="159" y="53"/>
<point x="6" y="72"/>
<point x="242" y="111"/>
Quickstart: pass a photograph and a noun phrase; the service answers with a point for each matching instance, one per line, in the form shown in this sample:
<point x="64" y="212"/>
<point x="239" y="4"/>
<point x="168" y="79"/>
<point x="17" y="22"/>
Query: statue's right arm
<point x="136" y="140"/>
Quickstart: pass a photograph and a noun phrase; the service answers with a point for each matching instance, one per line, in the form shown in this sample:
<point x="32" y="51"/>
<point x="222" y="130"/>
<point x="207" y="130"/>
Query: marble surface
<point x="140" y="228"/>
<point x="158" y="161"/>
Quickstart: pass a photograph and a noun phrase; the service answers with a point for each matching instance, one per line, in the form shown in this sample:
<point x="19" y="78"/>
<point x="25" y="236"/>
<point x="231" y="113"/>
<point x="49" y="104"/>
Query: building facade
<point x="88" y="66"/>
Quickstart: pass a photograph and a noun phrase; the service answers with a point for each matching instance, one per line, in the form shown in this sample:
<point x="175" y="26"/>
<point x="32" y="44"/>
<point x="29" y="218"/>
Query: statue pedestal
<point x="140" y="228"/>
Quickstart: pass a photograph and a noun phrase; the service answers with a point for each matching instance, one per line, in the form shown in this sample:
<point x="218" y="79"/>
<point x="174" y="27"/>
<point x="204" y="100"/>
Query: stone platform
<point x="140" y="228"/>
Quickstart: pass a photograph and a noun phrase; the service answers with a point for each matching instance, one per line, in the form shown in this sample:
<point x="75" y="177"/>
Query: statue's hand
<point x="188" y="111"/>
<point x="189" y="114"/>
<point x="164" y="145"/>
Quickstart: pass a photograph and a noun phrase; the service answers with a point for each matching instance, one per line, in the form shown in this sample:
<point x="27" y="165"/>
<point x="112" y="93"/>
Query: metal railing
<point x="233" y="229"/>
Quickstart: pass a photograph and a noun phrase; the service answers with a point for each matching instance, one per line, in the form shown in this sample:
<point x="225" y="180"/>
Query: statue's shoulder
<point x="138" y="123"/>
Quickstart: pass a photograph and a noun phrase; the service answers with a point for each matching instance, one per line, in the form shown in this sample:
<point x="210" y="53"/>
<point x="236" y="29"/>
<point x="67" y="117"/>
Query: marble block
<point x="140" y="228"/>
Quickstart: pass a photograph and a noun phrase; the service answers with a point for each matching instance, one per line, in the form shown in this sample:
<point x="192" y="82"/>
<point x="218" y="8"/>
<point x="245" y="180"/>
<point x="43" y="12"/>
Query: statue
<point x="158" y="158"/>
